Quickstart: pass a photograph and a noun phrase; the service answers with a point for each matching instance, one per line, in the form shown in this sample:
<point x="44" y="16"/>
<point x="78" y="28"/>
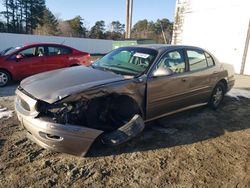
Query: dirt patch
<point x="200" y="147"/>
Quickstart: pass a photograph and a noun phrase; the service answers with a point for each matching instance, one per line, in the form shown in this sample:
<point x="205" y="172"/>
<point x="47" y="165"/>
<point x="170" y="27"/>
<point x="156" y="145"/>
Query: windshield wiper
<point x="102" y="68"/>
<point x="124" y="68"/>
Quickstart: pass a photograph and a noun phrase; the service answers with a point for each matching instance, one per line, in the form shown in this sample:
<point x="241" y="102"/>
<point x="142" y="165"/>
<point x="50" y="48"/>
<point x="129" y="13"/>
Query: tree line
<point x="33" y="17"/>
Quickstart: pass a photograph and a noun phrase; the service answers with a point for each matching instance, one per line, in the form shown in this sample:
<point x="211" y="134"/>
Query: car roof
<point x="43" y="43"/>
<point x="164" y="47"/>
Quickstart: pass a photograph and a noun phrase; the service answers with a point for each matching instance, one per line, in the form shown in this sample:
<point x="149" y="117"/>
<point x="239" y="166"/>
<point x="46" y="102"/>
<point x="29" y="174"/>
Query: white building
<point x="221" y="26"/>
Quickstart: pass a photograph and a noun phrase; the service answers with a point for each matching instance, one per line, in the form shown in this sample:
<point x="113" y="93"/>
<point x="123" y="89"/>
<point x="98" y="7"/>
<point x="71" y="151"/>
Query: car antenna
<point x="63" y="42"/>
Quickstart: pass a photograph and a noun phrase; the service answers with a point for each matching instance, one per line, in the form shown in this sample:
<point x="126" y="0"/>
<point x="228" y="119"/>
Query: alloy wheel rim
<point x="3" y="78"/>
<point x="218" y="95"/>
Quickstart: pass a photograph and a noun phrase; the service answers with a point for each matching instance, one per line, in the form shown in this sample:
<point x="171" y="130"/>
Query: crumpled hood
<point x="54" y="85"/>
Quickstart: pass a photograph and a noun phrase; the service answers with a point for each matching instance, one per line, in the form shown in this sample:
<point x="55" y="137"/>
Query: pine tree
<point x="97" y="31"/>
<point x="22" y="14"/>
<point x="77" y="27"/>
<point x="49" y="25"/>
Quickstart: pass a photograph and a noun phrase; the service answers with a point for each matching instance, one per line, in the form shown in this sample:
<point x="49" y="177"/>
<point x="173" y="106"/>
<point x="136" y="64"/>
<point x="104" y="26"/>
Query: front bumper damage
<point x="68" y="138"/>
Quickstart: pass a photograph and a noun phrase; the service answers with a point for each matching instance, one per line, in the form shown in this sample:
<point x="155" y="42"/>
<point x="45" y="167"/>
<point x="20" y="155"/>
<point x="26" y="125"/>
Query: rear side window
<point x="210" y="61"/>
<point x="65" y="50"/>
<point x="197" y="60"/>
<point x="54" y="50"/>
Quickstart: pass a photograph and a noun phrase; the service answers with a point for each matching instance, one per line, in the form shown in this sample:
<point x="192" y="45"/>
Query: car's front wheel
<point x="4" y="78"/>
<point x="217" y="95"/>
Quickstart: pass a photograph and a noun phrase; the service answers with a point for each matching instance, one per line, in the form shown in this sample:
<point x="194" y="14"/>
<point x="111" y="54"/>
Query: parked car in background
<point x="17" y="63"/>
<point x="66" y="110"/>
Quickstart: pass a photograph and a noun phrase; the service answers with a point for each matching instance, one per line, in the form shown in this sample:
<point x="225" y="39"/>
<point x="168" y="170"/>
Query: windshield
<point x="9" y="50"/>
<point x="131" y="61"/>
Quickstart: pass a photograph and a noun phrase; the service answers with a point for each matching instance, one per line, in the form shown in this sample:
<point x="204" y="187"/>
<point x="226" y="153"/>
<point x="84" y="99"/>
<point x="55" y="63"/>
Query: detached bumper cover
<point x="124" y="133"/>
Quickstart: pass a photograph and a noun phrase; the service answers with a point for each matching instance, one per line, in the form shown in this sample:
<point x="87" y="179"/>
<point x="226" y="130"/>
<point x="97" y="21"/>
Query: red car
<point x="17" y="63"/>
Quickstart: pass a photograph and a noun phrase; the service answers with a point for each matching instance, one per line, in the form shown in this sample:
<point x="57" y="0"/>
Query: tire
<point x="217" y="95"/>
<point x="4" y="78"/>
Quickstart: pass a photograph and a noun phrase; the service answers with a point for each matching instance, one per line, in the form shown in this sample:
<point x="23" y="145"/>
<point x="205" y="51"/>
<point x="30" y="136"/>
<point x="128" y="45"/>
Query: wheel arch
<point x="224" y="81"/>
<point x="133" y="101"/>
<point x="10" y="74"/>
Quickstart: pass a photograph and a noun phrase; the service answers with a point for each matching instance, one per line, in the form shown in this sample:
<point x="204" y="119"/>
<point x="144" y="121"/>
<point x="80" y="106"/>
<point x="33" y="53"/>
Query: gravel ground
<point x="200" y="147"/>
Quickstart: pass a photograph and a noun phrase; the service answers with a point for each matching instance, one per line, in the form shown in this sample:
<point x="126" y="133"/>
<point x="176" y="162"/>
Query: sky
<point x="110" y="10"/>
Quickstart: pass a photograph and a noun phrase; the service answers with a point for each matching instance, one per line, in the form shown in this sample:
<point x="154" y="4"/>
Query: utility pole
<point x="130" y="18"/>
<point x="244" y="58"/>
<point x="127" y="17"/>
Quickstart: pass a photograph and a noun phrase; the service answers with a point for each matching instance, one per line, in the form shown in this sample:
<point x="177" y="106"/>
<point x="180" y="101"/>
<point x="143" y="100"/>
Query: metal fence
<point x="92" y="46"/>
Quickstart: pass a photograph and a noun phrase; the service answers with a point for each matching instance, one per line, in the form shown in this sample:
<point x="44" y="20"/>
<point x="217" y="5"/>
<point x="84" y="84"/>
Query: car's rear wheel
<point x="4" y="78"/>
<point x="217" y="95"/>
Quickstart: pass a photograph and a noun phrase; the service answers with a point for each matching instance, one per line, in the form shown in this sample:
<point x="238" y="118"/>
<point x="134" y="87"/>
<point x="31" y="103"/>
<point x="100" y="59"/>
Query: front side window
<point x="29" y="52"/>
<point x="32" y="52"/>
<point x="35" y="51"/>
<point x="40" y="51"/>
<point x="174" y="61"/>
<point x="197" y="60"/>
<point x="127" y="61"/>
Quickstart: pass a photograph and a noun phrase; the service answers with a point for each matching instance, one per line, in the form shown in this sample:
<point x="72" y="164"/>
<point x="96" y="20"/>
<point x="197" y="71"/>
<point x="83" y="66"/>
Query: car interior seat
<point x="40" y="52"/>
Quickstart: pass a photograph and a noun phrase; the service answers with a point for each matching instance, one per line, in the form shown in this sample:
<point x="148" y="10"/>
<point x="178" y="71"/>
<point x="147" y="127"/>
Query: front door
<point x="168" y="93"/>
<point x="29" y="63"/>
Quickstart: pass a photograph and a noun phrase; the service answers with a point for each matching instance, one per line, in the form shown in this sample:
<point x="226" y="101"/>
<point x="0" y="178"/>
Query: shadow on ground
<point x="2" y="141"/>
<point x="185" y="128"/>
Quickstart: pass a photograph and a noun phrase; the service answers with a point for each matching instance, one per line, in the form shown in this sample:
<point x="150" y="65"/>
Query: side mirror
<point x="162" y="72"/>
<point x="19" y="57"/>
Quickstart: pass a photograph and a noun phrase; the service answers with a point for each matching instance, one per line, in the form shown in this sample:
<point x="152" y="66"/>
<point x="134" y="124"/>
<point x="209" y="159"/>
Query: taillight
<point x="87" y="60"/>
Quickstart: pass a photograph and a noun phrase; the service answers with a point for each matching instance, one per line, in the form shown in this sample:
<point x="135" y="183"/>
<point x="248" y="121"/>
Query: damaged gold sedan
<point x="68" y="109"/>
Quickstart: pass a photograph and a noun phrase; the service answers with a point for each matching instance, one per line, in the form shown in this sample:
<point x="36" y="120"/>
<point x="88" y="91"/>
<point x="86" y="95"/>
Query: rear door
<point x="202" y="75"/>
<point x="168" y="93"/>
<point x="57" y="57"/>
